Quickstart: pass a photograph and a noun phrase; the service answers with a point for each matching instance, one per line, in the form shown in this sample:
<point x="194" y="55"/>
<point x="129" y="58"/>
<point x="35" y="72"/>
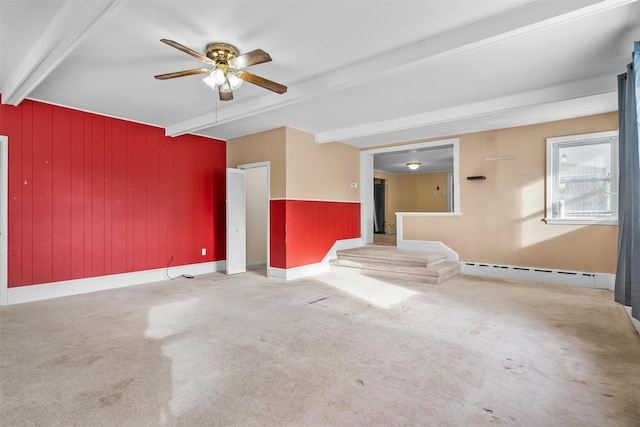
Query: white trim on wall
<point x="319" y="267"/>
<point x="64" y="288"/>
<point x="4" y="222"/>
<point x="366" y="197"/>
<point x="300" y="199"/>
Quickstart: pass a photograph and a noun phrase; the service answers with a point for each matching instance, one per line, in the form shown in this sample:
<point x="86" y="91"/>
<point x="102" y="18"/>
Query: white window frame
<point x="552" y="165"/>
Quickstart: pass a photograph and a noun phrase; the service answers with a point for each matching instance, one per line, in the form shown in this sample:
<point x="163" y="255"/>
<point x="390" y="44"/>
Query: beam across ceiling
<point x="63" y="33"/>
<point x="584" y="89"/>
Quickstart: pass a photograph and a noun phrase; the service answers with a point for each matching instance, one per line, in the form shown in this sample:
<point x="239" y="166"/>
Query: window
<point x="582" y="179"/>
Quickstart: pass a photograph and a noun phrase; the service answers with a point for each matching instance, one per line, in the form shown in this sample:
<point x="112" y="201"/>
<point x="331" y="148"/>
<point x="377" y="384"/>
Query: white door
<point x="236" y="222"/>
<point x="4" y="199"/>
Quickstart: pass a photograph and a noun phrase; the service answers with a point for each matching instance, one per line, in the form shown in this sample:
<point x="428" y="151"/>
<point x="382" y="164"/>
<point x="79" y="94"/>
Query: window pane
<point x="583" y="181"/>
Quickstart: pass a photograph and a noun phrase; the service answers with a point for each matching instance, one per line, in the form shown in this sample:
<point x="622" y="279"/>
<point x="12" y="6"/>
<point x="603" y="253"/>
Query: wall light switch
<point x="354" y="185"/>
<point x="204" y="251"/>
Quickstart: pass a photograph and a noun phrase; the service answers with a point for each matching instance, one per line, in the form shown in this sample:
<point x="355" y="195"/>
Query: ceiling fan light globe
<point x="218" y="76"/>
<point x="209" y="81"/>
<point x="234" y="80"/>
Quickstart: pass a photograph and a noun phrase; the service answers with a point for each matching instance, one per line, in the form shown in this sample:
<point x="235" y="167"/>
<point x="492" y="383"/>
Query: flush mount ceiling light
<point x="413" y="165"/>
<point x="226" y="73"/>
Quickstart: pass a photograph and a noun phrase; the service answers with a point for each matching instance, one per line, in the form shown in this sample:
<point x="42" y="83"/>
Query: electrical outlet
<point x="354" y="185"/>
<point x="204" y="251"/>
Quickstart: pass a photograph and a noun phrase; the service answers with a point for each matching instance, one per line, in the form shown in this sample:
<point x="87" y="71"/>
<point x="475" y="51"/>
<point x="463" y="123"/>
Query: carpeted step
<point x="436" y="273"/>
<point x="391" y="256"/>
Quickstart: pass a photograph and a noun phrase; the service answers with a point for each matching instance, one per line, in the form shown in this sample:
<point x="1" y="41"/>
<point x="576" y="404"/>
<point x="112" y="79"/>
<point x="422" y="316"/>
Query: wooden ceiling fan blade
<point x="187" y="50"/>
<point x="262" y="82"/>
<point x="254" y="57"/>
<point x="226" y="96"/>
<point x="182" y="73"/>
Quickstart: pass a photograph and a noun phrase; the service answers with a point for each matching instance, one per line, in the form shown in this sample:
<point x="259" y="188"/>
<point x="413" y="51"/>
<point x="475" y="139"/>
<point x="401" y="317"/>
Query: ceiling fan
<point x="226" y="73"/>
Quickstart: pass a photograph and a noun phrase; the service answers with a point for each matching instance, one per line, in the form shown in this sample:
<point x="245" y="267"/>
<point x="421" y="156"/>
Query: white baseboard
<point x="311" y="269"/>
<point x="256" y="264"/>
<point x="635" y="322"/>
<point x="297" y="272"/>
<point x="546" y="275"/>
<point x="24" y="294"/>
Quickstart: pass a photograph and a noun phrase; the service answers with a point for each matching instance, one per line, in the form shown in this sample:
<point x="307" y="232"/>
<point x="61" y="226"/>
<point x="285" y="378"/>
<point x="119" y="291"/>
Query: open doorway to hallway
<point x="381" y="236"/>
<point x="379" y="206"/>
<point x="257" y="216"/>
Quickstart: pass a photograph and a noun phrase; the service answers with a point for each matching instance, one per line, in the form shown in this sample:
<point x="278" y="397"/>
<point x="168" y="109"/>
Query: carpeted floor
<point x="329" y="350"/>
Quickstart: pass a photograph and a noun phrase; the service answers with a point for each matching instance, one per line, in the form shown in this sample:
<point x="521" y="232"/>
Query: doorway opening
<point x="257" y="216"/>
<point x="403" y="154"/>
<point x="379" y="221"/>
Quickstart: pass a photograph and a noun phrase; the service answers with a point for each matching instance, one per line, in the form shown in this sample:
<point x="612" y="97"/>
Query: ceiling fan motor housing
<point x="221" y="52"/>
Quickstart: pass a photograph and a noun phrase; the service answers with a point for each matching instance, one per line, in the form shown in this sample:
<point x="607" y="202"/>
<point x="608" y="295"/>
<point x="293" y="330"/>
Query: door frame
<point x="266" y="164"/>
<point x="366" y="182"/>
<point x="4" y="221"/>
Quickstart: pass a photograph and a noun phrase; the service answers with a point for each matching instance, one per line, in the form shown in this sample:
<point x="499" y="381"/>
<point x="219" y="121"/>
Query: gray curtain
<point x="627" y="288"/>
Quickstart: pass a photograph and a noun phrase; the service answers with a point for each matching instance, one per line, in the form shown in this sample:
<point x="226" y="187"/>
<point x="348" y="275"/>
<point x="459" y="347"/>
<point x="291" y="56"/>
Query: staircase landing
<point x="390" y="262"/>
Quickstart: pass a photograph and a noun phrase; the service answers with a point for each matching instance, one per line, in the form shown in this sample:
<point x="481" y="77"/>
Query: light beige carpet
<point x="245" y="350"/>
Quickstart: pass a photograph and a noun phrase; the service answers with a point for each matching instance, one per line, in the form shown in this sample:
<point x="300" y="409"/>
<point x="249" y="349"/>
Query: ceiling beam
<point x="61" y="36"/>
<point x="581" y="89"/>
<point x="529" y="18"/>
<point x="561" y="110"/>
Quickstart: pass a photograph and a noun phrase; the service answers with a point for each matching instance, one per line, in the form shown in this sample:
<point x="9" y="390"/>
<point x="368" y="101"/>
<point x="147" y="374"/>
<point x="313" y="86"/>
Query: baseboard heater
<point x="546" y="275"/>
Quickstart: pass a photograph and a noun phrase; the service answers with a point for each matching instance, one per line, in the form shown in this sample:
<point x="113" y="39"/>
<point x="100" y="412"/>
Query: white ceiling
<point x="365" y="73"/>
<point x="431" y="159"/>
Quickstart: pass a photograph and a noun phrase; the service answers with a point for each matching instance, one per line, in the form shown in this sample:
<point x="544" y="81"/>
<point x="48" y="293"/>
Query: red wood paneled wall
<point x="302" y="231"/>
<point x="91" y="196"/>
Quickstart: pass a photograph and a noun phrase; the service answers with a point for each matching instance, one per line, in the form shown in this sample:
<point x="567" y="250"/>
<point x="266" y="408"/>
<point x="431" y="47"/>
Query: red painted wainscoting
<point x="303" y="231"/>
<point x="92" y="196"/>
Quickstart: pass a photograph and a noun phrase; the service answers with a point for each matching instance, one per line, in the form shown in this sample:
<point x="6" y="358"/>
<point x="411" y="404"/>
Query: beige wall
<point x="300" y="168"/>
<point x="412" y="193"/>
<point x="417" y="192"/>
<point x="502" y="216"/>
<point x="261" y="147"/>
<point x="321" y="171"/>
